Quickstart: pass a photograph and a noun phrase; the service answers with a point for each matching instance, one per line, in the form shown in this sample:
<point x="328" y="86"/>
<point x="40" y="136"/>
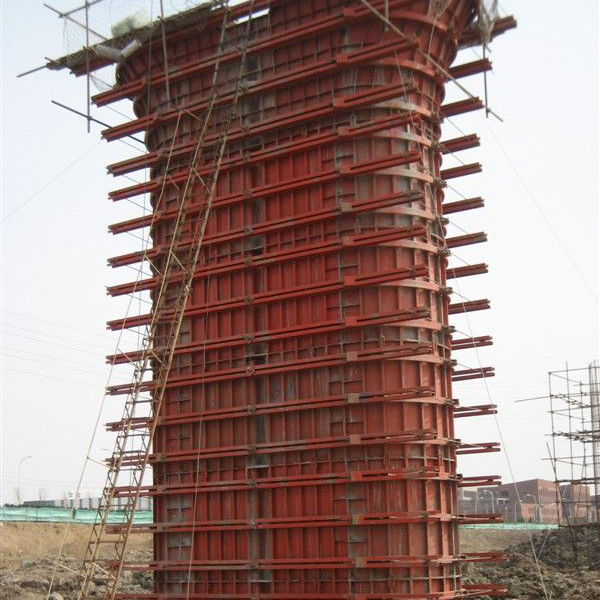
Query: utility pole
<point x="19" y="479"/>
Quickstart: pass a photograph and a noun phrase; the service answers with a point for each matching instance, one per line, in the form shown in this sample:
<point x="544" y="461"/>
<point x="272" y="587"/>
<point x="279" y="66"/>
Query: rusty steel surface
<point x="305" y="446"/>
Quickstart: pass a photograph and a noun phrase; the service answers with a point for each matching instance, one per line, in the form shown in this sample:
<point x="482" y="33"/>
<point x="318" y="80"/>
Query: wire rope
<point x="465" y="312"/>
<point x="50" y="182"/>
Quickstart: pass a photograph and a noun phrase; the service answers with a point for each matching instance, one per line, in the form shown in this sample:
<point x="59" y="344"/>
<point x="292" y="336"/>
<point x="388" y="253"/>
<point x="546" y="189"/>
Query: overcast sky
<point x="540" y="183"/>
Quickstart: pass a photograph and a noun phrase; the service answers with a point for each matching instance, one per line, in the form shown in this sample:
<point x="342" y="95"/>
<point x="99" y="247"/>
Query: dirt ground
<point x="567" y="568"/>
<point x="30" y="541"/>
<point x="28" y="552"/>
<point x="483" y="540"/>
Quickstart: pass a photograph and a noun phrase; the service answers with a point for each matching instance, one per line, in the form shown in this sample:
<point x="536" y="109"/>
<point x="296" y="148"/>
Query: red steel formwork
<point x="305" y="447"/>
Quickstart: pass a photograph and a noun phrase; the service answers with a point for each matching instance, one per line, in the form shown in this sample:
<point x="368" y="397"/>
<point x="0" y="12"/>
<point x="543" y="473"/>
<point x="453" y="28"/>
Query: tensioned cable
<point x="34" y="318"/>
<point x="50" y="182"/>
<point x="435" y="63"/>
<point x="112" y="366"/>
<point x="55" y="358"/>
<point x="543" y="215"/>
<point x="465" y="312"/>
<point x="461" y="131"/>
<point x="497" y="422"/>
<point x="5" y="368"/>
<point x="228" y="118"/>
<point x="146" y="240"/>
<point x="26" y="337"/>
<point x="57" y="337"/>
<point x="85" y="463"/>
<point x="41" y="362"/>
<point x="52" y="293"/>
<point x="149" y="275"/>
<point x="161" y="289"/>
<point x="45" y="482"/>
<point x="437" y="16"/>
<point x="506" y="455"/>
<point x="143" y="239"/>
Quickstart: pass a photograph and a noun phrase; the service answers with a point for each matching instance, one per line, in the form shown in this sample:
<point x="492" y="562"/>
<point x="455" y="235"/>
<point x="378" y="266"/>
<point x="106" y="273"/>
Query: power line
<point x="50" y="293"/>
<point x="539" y="209"/>
<point x="5" y="368"/>
<point x="46" y="482"/>
<point x="74" y="362"/>
<point x="506" y="454"/>
<point x="57" y="337"/>
<point x="534" y="398"/>
<point x="43" y="362"/>
<point x="49" y="183"/>
<point x="26" y="337"/>
<point x="12" y="312"/>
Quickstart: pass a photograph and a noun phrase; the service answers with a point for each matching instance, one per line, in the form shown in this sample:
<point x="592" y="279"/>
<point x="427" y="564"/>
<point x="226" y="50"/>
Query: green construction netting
<point x="512" y="526"/>
<point x="63" y="515"/>
<point x="86" y="515"/>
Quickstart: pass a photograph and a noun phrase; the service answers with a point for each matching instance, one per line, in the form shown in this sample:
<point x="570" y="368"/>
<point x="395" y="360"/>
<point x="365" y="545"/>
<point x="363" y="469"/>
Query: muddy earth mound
<point x="568" y="563"/>
<point x="30" y="581"/>
<point x="28" y="557"/>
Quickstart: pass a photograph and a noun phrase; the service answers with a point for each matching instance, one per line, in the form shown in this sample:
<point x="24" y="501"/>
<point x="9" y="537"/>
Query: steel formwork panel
<point x="305" y="446"/>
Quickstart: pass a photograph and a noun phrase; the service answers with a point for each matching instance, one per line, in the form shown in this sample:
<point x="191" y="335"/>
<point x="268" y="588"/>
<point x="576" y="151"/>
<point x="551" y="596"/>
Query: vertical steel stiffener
<point x="304" y="444"/>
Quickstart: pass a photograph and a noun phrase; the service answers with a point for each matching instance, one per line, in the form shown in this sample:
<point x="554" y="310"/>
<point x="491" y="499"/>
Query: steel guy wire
<point x="101" y="407"/>
<point x="506" y="454"/>
<point x="465" y="312"/>
<point x="26" y="337"/>
<point x="543" y="214"/>
<point x="87" y="383"/>
<point x="55" y="358"/>
<point x="52" y="335"/>
<point x="50" y="182"/>
<point x="435" y="63"/>
<point x="35" y="318"/>
<point x="52" y="293"/>
<point x="50" y="364"/>
<point x="45" y="482"/>
<point x="162" y="287"/>
<point x="230" y="116"/>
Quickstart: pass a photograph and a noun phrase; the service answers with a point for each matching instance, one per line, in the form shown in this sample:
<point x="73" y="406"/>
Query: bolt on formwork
<point x="574" y="396"/>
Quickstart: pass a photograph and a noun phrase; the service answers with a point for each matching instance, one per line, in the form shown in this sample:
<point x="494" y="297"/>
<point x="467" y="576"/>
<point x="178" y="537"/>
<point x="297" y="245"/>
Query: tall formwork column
<point x="305" y="447"/>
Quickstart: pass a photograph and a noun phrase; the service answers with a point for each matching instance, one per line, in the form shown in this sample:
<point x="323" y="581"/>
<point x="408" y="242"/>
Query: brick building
<point x="538" y="501"/>
<point x="483" y="501"/>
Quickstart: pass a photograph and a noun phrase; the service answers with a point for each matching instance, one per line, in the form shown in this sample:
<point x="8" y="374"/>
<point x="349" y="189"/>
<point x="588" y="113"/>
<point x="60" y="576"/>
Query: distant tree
<point x="18" y="495"/>
<point x="42" y="494"/>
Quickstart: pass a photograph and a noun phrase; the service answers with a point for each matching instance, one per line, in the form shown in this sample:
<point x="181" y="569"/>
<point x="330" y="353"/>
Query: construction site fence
<point x="85" y="515"/>
<point x="523" y="526"/>
<point x="63" y="515"/>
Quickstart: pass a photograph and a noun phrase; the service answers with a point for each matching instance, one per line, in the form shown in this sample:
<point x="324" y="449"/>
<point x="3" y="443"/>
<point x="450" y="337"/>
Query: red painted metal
<point x="478" y="269"/>
<point x="472" y="68"/>
<point x="305" y="447"/>
<point x="460" y="205"/>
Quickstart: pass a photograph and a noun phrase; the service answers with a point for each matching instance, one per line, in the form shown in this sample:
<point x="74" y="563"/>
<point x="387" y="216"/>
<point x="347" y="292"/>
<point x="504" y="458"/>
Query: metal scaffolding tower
<point x="574" y="396"/>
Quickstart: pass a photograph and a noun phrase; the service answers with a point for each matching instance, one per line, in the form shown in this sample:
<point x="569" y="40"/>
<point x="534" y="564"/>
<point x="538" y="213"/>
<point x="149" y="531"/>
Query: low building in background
<point x="533" y="501"/>
<point x="69" y="501"/>
<point x="483" y="501"/>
